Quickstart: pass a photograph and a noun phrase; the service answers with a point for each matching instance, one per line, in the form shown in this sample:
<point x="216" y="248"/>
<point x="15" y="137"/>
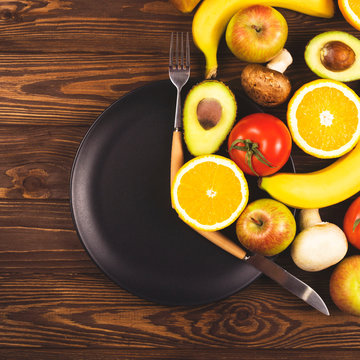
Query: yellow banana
<point x="212" y="17"/>
<point x="318" y="189"/>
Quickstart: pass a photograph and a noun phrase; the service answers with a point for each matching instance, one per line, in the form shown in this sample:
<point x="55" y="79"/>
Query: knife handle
<point x="217" y="238"/>
<point x="177" y="154"/>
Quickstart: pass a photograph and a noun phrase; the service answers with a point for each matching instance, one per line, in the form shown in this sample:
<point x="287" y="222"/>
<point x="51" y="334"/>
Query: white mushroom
<point x="319" y="245"/>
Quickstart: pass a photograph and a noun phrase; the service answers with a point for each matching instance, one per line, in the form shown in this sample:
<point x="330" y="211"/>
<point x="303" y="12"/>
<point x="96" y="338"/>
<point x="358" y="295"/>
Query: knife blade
<point x="288" y="281"/>
<point x="270" y="269"/>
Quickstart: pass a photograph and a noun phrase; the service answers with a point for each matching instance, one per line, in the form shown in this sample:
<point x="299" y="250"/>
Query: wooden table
<point x="62" y="62"/>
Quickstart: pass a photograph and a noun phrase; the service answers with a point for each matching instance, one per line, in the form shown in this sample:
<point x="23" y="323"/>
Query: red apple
<point x="266" y="226"/>
<point x="257" y="33"/>
<point x="345" y="285"/>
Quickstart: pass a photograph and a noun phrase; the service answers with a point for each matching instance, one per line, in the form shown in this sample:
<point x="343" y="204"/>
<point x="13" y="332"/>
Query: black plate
<point x="120" y="202"/>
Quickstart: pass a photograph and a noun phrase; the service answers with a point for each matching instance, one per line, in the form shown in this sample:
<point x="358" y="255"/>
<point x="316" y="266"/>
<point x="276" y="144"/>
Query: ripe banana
<point x="318" y="189"/>
<point x="212" y="16"/>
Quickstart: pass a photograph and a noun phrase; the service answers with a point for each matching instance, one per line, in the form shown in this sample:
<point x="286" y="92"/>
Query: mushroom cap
<point x="265" y="86"/>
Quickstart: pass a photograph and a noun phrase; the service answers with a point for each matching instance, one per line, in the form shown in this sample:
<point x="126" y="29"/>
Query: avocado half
<point x="334" y="55"/>
<point x="209" y="114"/>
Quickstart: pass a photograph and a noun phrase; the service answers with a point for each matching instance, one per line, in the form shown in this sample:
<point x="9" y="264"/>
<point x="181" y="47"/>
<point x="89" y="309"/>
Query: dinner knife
<point x="270" y="269"/>
<point x="266" y="266"/>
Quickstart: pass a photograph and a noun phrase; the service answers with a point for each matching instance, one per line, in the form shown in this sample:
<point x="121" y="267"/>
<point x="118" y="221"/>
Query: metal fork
<point x="179" y="73"/>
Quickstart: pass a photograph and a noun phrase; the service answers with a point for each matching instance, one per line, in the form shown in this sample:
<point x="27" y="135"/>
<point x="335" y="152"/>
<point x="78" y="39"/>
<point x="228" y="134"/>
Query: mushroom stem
<point x="281" y="61"/>
<point x="309" y="218"/>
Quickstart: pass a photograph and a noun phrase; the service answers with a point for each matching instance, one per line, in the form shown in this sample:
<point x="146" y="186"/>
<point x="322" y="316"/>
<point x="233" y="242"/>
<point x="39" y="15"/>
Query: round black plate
<point x="120" y="201"/>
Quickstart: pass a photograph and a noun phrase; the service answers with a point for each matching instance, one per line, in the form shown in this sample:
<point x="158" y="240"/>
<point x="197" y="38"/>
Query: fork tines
<point x="176" y="60"/>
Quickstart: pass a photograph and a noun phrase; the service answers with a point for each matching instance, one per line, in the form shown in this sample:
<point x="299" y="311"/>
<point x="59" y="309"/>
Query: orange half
<point x="209" y="192"/>
<point x="324" y="118"/>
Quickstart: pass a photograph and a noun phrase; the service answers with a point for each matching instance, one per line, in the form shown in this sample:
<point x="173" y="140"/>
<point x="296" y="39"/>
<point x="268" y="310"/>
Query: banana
<point x="329" y="186"/>
<point x="211" y="18"/>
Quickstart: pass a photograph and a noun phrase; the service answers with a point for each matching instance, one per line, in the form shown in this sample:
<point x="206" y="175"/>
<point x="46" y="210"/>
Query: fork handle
<point x="177" y="154"/>
<point x="178" y="119"/>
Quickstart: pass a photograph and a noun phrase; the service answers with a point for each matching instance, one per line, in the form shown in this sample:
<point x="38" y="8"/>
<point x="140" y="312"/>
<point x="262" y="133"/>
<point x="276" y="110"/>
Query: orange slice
<point x="351" y="12"/>
<point x="209" y="192"/>
<point x="324" y="118"/>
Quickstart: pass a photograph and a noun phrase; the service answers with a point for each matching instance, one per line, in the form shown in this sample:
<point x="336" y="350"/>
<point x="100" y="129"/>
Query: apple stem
<point x="256" y="28"/>
<point x="281" y="61"/>
<point x="257" y="222"/>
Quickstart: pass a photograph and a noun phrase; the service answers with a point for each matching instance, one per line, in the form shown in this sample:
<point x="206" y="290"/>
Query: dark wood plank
<point x="47" y="92"/>
<point x="83" y="310"/>
<point x="179" y="354"/>
<point x="115" y="27"/>
<point x="40" y="236"/>
<point x="36" y="162"/>
<point x="87" y="26"/>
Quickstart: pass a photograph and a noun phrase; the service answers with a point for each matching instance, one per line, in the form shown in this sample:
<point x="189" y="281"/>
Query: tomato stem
<point x="252" y="149"/>
<point x="356" y="223"/>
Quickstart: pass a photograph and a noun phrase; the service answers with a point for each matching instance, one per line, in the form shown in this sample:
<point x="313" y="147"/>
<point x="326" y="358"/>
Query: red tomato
<point x="265" y="144"/>
<point x="351" y="223"/>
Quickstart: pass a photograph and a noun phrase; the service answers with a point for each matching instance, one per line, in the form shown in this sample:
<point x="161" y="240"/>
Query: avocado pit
<point x="337" y="56"/>
<point x="209" y="112"/>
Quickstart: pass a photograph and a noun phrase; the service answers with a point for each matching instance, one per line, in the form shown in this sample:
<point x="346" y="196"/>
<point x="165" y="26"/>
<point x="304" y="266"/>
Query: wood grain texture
<point x="79" y="310"/>
<point x="178" y="354"/>
<point x="62" y="62"/>
<point x="36" y="161"/>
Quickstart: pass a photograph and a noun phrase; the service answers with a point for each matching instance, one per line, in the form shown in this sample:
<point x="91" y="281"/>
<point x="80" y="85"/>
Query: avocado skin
<point x="313" y="58"/>
<point x="201" y="141"/>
